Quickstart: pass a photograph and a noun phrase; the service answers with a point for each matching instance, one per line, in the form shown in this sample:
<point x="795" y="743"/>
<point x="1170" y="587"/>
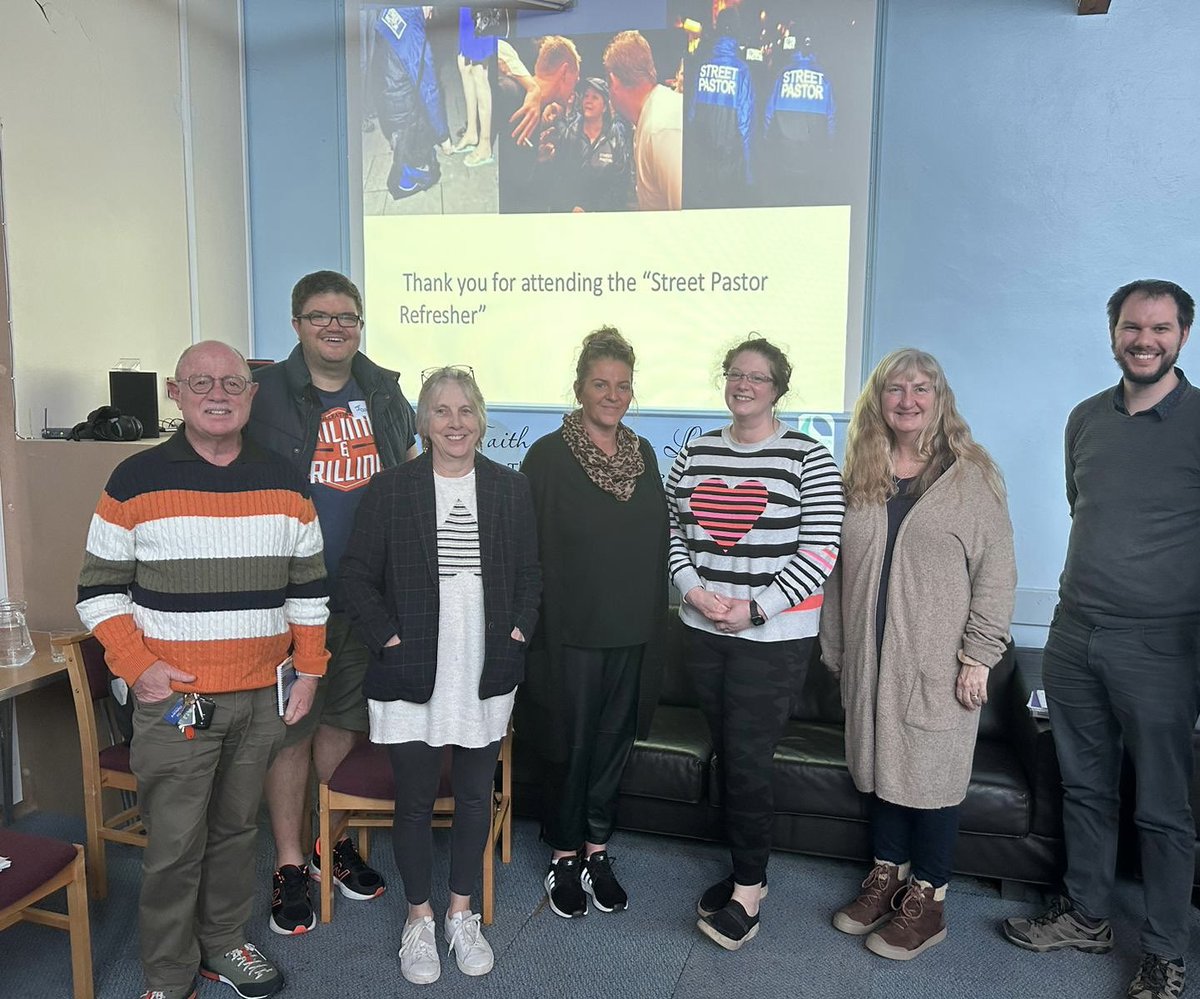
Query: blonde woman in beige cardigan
<point x="916" y="613"/>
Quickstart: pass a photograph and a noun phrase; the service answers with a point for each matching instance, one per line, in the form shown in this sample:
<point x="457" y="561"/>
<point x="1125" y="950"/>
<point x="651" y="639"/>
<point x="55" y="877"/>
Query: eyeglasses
<point x="754" y="378"/>
<point x="346" y="320"/>
<point x="464" y="369"/>
<point x="203" y="384"/>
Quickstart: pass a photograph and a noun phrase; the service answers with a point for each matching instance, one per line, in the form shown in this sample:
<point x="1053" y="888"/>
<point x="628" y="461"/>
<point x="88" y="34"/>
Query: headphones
<point x="107" y="424"/>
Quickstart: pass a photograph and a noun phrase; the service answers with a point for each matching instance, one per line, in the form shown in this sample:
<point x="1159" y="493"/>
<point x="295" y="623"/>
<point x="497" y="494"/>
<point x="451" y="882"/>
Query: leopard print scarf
<point x="617" y="474"/>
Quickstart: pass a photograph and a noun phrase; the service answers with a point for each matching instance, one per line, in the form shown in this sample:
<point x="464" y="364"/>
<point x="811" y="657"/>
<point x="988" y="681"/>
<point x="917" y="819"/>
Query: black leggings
<point x="418" y="769"/>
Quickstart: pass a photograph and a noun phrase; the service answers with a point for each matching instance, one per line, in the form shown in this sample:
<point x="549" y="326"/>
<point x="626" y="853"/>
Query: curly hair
<point x="946" y="438"/>
<point x="604" y="344"/>
<point x="781" y="367"/>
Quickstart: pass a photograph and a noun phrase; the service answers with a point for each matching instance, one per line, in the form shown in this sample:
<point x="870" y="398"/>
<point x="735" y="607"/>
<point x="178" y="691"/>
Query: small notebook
<point x="285" y="676"/>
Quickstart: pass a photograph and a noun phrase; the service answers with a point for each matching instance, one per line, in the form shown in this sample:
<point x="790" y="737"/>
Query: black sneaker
<point x="291" y="910"/>
<point x="599" y="881"/>
<point x="730" y="927"/>
<point x="717" y="896"/>
<point x="352" y="876"/>
<point x="564" y="889"/>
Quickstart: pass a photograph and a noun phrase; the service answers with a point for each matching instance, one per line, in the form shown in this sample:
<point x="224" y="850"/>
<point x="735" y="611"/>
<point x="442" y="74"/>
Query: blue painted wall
<point x="1029" y="161"/>
<point x="296" y="141"/>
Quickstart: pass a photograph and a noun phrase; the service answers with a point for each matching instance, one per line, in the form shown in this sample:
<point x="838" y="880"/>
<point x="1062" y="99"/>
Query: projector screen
<point x="689" y="172"/>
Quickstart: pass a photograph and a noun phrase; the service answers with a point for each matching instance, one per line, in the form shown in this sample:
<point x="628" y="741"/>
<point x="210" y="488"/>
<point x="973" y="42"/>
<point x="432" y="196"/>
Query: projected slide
<point x="686" y="170"/>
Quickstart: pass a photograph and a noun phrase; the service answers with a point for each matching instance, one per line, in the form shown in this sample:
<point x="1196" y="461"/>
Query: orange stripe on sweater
<point x="189" y="503"/>
<point x="220" y="667"/>
<point x="812" y="603"/>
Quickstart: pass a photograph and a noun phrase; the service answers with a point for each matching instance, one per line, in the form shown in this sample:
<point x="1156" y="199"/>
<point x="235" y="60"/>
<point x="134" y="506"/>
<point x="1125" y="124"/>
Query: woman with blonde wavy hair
<point x="916" y="613"/>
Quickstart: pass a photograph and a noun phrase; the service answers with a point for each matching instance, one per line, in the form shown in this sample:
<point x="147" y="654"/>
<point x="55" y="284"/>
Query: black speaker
<point x="135" y="393"/>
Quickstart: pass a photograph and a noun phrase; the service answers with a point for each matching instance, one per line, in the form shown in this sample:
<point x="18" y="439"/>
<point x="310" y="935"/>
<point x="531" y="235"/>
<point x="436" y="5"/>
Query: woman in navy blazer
<point x="442" y="582"/>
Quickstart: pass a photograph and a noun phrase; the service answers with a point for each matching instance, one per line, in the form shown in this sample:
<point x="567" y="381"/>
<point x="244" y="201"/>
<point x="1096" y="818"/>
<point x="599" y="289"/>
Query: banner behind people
<point x="683" y="169"/>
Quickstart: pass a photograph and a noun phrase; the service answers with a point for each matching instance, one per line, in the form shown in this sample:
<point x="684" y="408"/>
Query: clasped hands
<point x="729" y="614"/>
<point x="156" y="684"/>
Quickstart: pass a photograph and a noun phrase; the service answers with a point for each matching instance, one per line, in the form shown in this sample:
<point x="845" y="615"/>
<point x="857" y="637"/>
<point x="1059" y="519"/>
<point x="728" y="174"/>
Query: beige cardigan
<point x="951" y="587"/>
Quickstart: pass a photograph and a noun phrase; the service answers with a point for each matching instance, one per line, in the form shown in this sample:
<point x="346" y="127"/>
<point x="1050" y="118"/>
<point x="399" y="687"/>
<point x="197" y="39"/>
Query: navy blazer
<point x="389" y="578"/>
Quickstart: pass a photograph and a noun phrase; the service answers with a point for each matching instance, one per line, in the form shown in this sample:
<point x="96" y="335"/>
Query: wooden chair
<point x="39" y="868"/>
<point x="103" y="768"/>
<point x="363" y="790"/>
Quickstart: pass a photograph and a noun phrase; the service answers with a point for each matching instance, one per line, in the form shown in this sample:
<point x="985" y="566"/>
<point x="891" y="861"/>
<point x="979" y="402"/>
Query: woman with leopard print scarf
<point x="602" y="536"/>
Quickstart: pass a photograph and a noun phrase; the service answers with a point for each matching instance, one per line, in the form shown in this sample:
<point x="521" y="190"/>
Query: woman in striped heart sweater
<point x="756" y="514"/>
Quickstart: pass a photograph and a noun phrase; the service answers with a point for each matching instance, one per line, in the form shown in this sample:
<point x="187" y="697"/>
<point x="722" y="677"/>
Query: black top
<point x="604" y="561"/>
<point x="897" y="509"/>
<point x="1133" y="486"/>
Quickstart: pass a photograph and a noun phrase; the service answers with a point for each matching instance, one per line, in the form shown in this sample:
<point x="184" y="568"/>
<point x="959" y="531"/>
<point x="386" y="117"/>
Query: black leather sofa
<point x="1011" y="823"/>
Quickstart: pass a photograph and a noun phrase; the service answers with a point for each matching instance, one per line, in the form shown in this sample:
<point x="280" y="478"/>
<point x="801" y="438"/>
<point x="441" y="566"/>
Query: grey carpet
<point x="651" y="951"/>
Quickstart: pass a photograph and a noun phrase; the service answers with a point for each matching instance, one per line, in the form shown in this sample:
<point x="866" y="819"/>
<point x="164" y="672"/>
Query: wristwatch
<point x="756" y="616"/>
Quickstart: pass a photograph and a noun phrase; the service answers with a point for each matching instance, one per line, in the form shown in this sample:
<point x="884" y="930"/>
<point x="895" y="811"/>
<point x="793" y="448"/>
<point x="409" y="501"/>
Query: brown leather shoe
<point x="873" y="907"/>
<point x="917" y="925"/>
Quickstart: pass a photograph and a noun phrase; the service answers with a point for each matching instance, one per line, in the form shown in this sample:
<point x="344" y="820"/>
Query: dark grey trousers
<point x="417" y="768"/>
<point x="1138" y="687"/>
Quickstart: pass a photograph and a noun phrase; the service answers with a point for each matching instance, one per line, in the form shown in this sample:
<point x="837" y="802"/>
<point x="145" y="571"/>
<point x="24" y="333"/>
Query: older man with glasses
<point x="338" y="418"/>
<point x="203" y="568"/>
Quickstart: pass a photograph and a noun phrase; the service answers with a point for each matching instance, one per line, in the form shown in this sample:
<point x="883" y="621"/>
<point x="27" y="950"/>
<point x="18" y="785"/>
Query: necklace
<point x="907" y="468"/>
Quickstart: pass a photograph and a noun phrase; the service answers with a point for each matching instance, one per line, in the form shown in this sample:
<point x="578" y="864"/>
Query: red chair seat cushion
<point x="367" y="772"/>
<point x="115" y="758"/>
<point x="35" y="860"/>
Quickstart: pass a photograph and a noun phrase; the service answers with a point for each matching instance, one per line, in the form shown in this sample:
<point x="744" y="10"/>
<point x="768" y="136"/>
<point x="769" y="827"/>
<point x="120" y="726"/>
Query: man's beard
<point x="1137" y="378"/>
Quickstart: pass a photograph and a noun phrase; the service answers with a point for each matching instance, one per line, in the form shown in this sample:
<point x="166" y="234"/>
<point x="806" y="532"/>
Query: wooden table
<point x="40" y="671"/>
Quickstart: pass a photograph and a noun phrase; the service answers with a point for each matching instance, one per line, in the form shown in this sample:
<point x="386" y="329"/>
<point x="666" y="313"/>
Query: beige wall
<point x="124" y="207"/>
<point x="124" y="191"/>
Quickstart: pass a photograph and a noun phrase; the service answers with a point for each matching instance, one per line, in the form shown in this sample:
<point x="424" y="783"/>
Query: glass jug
<point x="16" y="647"/>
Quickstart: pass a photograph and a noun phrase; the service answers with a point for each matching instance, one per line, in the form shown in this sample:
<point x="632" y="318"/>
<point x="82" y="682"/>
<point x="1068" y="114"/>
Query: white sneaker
<point x="465" y="937"/>
<point x="418" y="952"/>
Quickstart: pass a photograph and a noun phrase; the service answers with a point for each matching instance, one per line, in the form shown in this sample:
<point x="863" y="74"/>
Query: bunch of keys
<point x="190" y="712"/>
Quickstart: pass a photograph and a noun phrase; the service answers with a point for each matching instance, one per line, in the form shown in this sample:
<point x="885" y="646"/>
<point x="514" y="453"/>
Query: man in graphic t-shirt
<point x="339" y="418"/>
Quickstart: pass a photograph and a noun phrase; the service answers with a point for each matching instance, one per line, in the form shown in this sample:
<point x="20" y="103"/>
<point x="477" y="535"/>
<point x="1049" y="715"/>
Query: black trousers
<point x="417" y="768"/>
<point x="1134" y="686"/>
<point x="599" y="701"/>
<point x="745" y="690"/>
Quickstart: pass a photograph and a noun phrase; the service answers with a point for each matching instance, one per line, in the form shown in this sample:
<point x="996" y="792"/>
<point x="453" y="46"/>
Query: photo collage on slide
<point x="675" y="104"/>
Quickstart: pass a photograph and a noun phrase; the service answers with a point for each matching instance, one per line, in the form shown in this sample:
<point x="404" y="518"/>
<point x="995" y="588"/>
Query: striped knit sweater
<point x="215" y="570"/>
<point x="756" y="521"/>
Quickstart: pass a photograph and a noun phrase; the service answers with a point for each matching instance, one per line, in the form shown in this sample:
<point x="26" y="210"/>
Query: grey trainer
<point x="245" y="970"/>
<point x="1057" y="929"/>
<point x="1157" y="978"/>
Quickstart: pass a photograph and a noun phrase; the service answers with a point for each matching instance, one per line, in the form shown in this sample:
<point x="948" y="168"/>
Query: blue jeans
<point x="924" y="836"/>
<point x="1135" y="686"/>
